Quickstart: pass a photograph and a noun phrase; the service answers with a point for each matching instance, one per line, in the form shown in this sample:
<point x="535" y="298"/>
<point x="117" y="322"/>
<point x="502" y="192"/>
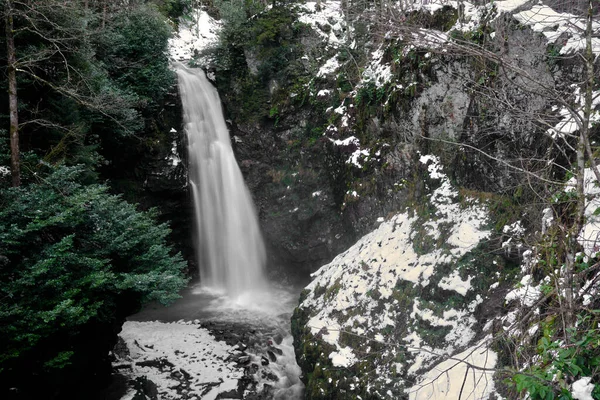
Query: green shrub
<point x="71" y="257"/>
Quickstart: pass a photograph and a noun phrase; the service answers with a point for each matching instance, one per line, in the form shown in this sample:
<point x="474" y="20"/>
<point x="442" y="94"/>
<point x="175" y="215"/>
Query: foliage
<point x="133" y="51"/>
<point x="173" y="9"/>
<point x="561" y="363"/>
<point x="74" y="259"/>
<point x="369" y="94"/>
<point x="87" y="80"/>
<point x="256" y="54"/>
<point x="441" y="19"/>
<point x="69" y="254"/>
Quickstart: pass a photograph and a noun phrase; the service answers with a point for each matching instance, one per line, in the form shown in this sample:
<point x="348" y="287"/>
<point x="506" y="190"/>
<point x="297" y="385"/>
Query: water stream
<point x="233" y="296"/>
<point x="231" y="251"/>
<point x="261" y="324"/>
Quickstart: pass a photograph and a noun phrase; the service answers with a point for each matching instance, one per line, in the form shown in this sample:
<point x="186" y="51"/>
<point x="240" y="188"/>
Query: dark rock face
<point x="301" y="223"/>
<point x="155" y="175"/>
<point x="314" y="201"/>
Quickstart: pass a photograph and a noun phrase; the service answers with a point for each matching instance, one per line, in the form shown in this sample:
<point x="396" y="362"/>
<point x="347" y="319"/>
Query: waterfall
<point x="231" y="252"/>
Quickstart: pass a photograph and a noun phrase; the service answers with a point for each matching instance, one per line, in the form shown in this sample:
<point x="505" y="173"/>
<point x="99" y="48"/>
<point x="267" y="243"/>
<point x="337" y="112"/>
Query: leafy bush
<point x="73" y="257"/>
<point x="560" y="363"/>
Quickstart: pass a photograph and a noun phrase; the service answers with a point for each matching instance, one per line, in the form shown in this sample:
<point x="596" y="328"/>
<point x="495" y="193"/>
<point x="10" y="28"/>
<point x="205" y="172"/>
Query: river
<point x="228" y="337"/>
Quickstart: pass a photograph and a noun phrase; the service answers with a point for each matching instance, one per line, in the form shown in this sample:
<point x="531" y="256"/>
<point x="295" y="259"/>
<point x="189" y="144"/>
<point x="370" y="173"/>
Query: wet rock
<point x="251" y="369"/>
<point x="158" y="363"/>
<point x="270" y="376"/>
<point x="272" y="356"/>
<point x="241" y="346"/>
<point x="185" y="374"/>
<point x="267" y="390"/>
<point x="264" y="361"/>
<point x="246" y="383"/>
<point x="145" y="388"/>
<point x="232" y="394"/>
<point x="277" y="350"/>
<point x="243" y="360"/>
<point x="278" y="338"/>
<point x="121" y="351"/>
<point x="176" y="375"/>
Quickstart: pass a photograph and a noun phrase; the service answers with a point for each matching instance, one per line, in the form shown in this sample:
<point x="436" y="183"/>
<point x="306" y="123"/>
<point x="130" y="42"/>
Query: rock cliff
<point x="437" y="137"/>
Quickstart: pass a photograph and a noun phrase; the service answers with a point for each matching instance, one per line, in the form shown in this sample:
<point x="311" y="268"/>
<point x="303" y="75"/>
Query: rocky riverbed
<point x="223" y="349"/>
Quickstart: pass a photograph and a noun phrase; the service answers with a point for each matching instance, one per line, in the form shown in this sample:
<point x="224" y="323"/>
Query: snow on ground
<point x="568" y="124"/>
<point x="510" y="5"/>
<point x="358" y="154"/>
<point x="356" y="291"/>
<point x="329" y="67"/>
<point x="193" y="36"/>
<point x="555" y="26"/>
<point x="377" y="71"/>
<point x="582" y="389"/>
<point x="456" y="379"/>
<point x="589" y="237"/>
<point x="526" y="293"/>
<point x="328" y="22"/>
<point x="189" y="349"/>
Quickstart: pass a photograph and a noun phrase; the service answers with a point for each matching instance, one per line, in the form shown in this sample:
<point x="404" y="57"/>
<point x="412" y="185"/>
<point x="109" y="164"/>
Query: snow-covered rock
<point x="385" y="316"/>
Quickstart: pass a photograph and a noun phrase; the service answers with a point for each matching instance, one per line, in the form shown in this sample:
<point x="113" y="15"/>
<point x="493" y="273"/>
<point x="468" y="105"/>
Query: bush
<point x="74" y="262"/>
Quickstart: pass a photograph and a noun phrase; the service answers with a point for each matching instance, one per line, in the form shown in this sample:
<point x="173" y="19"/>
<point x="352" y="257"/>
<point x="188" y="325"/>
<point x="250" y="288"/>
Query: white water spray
<point x="231" y="252"/>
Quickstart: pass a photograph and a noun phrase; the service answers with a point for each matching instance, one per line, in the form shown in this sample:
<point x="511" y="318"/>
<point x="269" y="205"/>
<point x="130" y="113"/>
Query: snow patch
<point x="527" y="294"/>
<point x="355" y="292"/>
<point x="194" y="36"/>
<point x="589" y="237"/>
<point x="377" y="71"/>
<point x="555" y="26"/>
<point x="343" y="358"/>
<point x="211" y="374"/>
<point x="329" y="67"/>
<point x="450" y="378"/>
<point x="328" y="22"/>
<point x="510" y="5"/>
<point x="582" y="389"/>
<point x="455" y="282"/>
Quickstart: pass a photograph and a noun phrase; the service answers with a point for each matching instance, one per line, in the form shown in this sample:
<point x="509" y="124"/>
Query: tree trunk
<point x="573" y="243"/>
<point x="15" y="163"/>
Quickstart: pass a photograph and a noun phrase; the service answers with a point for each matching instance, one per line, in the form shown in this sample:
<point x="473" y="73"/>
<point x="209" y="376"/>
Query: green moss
<point x="319" y="291"/>
<point x="303" y="295"/>
<point x="344" y="83"/>
<point x="333" y="290"/>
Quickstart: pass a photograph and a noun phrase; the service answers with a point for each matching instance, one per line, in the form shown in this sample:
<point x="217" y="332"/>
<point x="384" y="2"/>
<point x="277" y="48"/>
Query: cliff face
<point x="328" y="142"/>
<point x="153" y="173"/>
<point x="429" y="149"/>
<point x="408" y="294"/>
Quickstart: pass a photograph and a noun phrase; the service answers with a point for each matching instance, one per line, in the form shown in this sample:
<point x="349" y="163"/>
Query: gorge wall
<point x="442" y="128"/>
<point x="328" y="120"/>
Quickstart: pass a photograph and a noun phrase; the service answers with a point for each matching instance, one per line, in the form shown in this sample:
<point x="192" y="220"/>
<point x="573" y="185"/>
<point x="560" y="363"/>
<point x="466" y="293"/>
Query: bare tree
<point x="46" y="41"/>
<point x="15" y="163"/>
<point x="503" y="77"/>
<point x="553" y="109"/>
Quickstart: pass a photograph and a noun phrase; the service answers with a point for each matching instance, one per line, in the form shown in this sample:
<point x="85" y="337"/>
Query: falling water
<point x="231" y="252"/>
